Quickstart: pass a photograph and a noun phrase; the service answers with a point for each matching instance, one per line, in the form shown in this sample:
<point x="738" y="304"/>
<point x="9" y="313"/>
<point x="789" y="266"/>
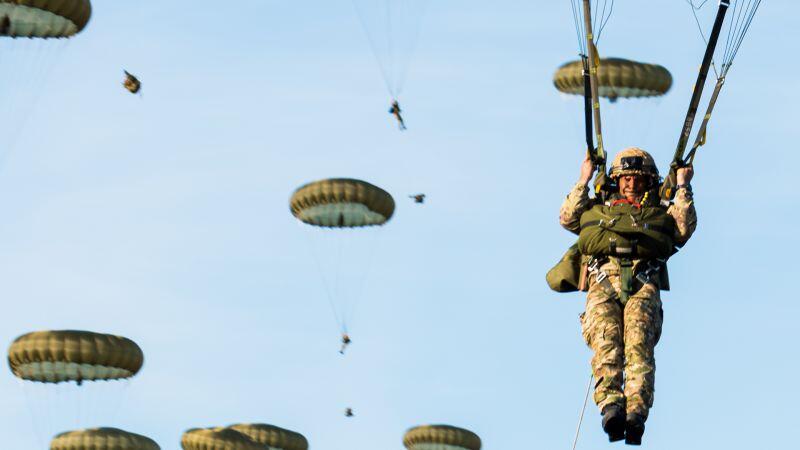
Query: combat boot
<point x="614" y="422"/>
<point x="634" y="429"/>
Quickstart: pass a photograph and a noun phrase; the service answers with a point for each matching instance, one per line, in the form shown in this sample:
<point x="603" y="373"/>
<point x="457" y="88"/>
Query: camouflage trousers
<point x="623" y="338"/>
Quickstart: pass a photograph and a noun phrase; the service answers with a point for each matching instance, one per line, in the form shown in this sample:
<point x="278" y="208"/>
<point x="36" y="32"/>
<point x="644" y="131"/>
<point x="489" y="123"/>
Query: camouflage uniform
<point x="623" y="337"/>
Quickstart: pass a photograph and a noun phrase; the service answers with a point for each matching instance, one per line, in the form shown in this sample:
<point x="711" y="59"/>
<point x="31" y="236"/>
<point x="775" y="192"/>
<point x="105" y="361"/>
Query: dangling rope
<point x="583" y="411"/>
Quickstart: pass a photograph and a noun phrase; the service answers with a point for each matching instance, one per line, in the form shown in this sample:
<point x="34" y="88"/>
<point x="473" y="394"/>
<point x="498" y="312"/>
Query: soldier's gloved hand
<point x="684" y="175"/>
<point x="587" y="170"/>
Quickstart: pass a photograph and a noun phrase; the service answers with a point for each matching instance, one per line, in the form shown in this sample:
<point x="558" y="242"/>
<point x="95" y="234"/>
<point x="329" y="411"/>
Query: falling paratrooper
<point x="341" y="208"/>
<point x="132" y="83"/>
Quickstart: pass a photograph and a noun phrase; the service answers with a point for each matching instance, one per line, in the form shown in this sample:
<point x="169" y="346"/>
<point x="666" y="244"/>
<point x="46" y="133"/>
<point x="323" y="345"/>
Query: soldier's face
<point x="632" y="187"/>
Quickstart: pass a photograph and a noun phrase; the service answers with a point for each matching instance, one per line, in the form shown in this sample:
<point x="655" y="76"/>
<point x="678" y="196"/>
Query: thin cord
<point x="583" y="411"/>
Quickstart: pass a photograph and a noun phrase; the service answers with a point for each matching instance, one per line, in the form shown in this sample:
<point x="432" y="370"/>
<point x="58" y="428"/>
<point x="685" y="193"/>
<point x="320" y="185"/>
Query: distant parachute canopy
<point x="272" y="436"/>
<point x="342" y="203"/>
<point x="441" y="437"/>
<point x="44" y="18"/>
<point x="217" y="439"/>
<point x="102" y="439"/>
<point x="616" y="78"/>
<point x="62" y="356"/>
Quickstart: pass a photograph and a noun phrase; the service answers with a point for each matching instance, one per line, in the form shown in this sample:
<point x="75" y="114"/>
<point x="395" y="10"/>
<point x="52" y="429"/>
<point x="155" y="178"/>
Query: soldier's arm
<point x="682" y="210"/>
<point x="576" y="203"/>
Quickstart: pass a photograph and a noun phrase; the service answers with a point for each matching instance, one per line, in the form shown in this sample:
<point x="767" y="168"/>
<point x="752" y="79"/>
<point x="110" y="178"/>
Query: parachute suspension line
<point x="583" y="411"/>
<point x="412" y="44"/>
<point x="36" y="424"/>
<point x="325" y="283"/>
<point x="738" y="30"/>
<point x="700" y="29"/>
<point x="390" y="44"/>
<point x="375" y="49"/>
<point x="358" y="289"/>
<point x="604" y="18"/>
<point x="576" y="17"/>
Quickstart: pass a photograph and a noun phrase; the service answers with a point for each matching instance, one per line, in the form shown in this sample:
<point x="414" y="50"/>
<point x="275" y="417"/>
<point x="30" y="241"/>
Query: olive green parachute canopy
<point x="616" y="78"/>
<point x="45" y="18"/>
<point x="272" y="436"/>
<point x="102" y="439"/>
<point x="342" y="203"/>
<point x="217" y="439"/>
<point x="58" y="356"/>
<point x="441" y="437"/>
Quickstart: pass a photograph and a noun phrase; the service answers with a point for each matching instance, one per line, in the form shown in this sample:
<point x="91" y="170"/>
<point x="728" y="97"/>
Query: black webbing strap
<point x="647" y="226"/>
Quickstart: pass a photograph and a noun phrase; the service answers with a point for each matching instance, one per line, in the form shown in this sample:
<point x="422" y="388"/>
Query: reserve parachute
<point x="271" y="436"/>
<point x="441" y="437"/>
<point x="617" y="78"/>
<point x="69" y="355"/>
<point x="102" y="439"/>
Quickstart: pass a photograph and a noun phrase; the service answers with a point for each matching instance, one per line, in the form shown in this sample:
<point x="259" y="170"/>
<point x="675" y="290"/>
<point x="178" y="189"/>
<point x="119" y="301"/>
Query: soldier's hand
<point x="587" y="170"/>
<point x="684" y="175"/>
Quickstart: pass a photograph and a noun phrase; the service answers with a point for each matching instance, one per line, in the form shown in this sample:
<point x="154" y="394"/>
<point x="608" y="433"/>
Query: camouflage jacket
<point x="682" y="210"/>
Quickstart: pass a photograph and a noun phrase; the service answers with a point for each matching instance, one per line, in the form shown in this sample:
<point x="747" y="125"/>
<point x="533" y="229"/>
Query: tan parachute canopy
<point x="441" y="437"/>
<point x="217" y="439"/>
<point x="616" y="78"/>
<point x="272" y="436"/>
<point x="102" y="439"/>
<point x="44" y="18"/>
<point x="58" y="356"/>
<point x="342" y="203"/>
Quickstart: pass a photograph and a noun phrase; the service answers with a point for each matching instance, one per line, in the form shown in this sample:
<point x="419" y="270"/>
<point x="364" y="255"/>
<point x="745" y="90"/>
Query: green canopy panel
<point x="342" y="203"/>
<point x="616" y="77"/>
<point x="102" y="439"/>
<point x="69" y="355"/>
<point x="272" y="436"/>
<point x="441" y="437"/>
<point x="44" y="18"/>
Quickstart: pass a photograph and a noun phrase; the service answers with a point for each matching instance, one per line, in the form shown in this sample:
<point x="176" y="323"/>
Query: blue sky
<point x="165" y="219"/>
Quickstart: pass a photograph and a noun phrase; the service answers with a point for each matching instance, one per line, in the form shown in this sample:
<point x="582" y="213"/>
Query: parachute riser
<point x="599" y="159"/>
<point x="700" y="140"/>
<point x="667" y="192"/>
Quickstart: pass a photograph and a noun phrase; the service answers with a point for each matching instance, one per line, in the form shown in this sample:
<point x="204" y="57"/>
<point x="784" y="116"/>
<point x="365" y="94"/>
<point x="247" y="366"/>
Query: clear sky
<point x="165" y="219"/>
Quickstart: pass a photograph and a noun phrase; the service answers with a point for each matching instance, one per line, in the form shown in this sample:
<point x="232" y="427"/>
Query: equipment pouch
<point x="565" y="276"/>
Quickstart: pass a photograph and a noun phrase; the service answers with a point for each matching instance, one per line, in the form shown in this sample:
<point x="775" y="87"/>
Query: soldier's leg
<point x="643" y="321"/>
<point x="602" y="330"/>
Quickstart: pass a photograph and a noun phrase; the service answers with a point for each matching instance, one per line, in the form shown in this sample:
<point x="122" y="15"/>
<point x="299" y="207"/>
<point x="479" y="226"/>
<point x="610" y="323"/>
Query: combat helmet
<point x="634" y="161"/>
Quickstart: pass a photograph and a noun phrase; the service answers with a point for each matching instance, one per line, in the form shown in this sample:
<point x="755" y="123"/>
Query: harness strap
<point x="626" y="279"/>
<point x="646" y="226"/>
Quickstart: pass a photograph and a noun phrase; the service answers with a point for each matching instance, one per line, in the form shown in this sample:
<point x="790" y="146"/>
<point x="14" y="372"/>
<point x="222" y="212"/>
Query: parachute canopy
<point x="272" y="436"/>
<point x="616" y="78"/>
<point x="441" y="437"/>
<point x="59" y="356"/>
<point x="102" y="439"/>
<point x="342" y="203"/>
<point x="45" y="18"/>
<point x="217" y="439"/>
